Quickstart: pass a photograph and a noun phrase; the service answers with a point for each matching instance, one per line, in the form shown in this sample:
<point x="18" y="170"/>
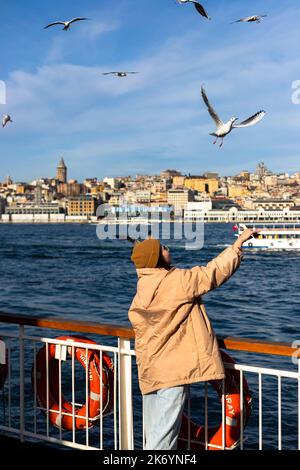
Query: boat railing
<point x="275" y="392"/>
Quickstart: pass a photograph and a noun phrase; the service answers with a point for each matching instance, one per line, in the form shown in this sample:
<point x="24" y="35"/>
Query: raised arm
<point x="202" y="279"/>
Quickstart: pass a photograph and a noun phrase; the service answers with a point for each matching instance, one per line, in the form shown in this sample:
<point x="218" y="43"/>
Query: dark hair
<point x="161" y="263"/>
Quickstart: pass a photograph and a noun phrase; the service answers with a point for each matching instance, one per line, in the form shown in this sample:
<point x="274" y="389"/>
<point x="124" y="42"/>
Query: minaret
<point x="61" y="171"/>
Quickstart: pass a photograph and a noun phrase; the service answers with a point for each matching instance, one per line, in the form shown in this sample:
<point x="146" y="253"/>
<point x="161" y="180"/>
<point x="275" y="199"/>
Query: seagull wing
<point x="52" y="24"/>
<point x="5" y="120"/>
<point x="200" y="9"/>
<point x="251" y="120"/>
<point x="132" y="72"/>
<point x="240" y="21"/>
<point x="211" y="110"/>
<point x="107" y="73"/>
<point x="77" y="19"/>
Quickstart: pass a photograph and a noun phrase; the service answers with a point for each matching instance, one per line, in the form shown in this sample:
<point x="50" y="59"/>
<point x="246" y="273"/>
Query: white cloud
<point x="92" y="29"/>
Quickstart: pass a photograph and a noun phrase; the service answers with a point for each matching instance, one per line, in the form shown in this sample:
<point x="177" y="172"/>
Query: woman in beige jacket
<point x="174" y="341"/>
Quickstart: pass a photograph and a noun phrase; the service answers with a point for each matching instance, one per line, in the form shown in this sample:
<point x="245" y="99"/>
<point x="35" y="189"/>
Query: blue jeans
<point x="162" y="417"/>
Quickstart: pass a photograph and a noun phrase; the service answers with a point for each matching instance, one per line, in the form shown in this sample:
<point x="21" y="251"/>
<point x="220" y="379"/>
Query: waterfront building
<point x="235" y="214"/>
<point x="82" y="205"/>
<point x="31" y="208"/>
<point x="61" y="171"/>
<point x="269" y="204"/>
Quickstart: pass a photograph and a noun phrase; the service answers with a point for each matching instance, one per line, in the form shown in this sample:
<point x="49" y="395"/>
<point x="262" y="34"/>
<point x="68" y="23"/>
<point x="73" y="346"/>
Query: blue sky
<point x="62" y="105"/>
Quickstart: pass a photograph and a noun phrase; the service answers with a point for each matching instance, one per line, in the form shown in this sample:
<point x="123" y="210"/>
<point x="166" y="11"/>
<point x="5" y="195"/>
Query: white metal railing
<point x="31" y="418"/>
<point x="24" y="416"/>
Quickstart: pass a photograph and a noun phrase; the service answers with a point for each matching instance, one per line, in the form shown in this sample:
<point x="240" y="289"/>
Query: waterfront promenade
<point x="230" y="216"/>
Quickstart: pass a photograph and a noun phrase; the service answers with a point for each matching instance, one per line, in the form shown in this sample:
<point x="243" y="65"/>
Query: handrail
<point x="228" y="342"/>
<point x="54" y="323"/>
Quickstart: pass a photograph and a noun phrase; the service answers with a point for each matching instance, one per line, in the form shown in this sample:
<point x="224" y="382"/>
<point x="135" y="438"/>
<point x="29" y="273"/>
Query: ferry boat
<point x="280" y="236"/>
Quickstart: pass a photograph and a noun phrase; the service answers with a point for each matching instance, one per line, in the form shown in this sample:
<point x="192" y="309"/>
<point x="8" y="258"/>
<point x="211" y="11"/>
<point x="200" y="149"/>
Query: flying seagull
<point x="225" y="128"/>
<point x="6" y="119"/>
<point x="118" y="74"/>
<point x="200" y="9"/>
<point x="66" y="24"/>
<point x="250" y="19"/>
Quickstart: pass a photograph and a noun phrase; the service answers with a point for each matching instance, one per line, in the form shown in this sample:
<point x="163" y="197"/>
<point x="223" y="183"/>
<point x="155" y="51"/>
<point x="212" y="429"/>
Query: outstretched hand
<point x="245" y="235"/>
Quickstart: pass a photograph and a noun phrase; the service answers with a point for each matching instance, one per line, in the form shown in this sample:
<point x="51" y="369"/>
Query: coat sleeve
<point x="202" y="279"/>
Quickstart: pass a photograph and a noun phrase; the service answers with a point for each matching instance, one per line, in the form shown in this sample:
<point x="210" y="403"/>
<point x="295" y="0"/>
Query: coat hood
<point x="149" y="280"/>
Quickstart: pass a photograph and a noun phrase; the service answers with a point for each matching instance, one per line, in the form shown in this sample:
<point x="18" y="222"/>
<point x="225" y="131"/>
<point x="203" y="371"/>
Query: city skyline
<point x="57" y="171"/>
<point x="103" y="125"/>
<point x="59" y="199"/>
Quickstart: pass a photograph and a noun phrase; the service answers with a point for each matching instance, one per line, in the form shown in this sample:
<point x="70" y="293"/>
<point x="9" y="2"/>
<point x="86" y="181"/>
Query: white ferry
<point x="281" y="236"/>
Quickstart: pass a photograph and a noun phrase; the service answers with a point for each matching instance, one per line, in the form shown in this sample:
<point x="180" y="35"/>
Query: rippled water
<point x="66" y="271"/>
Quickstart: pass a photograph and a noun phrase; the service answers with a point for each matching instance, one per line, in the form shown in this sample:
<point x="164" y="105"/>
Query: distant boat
<point x="277" y="236"/>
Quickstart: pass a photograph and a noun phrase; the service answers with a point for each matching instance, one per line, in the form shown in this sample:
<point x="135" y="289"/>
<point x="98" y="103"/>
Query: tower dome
<point x="61" y="171"/>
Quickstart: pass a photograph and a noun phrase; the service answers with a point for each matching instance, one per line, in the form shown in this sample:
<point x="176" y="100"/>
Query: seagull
<point x="200" y="9"/>
<point x="6" y="119"/>
<point x="225" y="128"/>
<point x="250" y="19"/>
<point x="65" y="23"/>
<point x="118" y="74"/>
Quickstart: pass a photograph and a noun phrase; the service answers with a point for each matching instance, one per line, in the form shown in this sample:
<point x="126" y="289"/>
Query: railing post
<point x="125" y="396"/>
<point x="21" y="345"/>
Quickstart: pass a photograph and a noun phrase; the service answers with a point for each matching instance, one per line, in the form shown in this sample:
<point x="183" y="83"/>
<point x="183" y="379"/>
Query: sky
<point x="62" y="105"/>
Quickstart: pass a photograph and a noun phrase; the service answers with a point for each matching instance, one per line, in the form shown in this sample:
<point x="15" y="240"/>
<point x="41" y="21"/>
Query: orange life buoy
<point x="92" y="408"/>
<point x="3" y="367"/>
<point x="232" y="414"/>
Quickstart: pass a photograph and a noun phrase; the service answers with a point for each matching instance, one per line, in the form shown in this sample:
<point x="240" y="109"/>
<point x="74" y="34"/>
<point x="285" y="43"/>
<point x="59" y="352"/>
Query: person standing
<point x="175" y="343"/>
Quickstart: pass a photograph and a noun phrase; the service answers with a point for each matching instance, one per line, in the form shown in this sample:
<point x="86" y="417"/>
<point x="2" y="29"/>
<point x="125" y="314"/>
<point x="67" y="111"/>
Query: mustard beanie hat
<point x="145" y="254"/>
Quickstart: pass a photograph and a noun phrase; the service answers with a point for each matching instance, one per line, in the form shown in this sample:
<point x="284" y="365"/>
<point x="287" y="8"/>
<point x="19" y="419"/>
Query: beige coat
<point x="174" y="341"/>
